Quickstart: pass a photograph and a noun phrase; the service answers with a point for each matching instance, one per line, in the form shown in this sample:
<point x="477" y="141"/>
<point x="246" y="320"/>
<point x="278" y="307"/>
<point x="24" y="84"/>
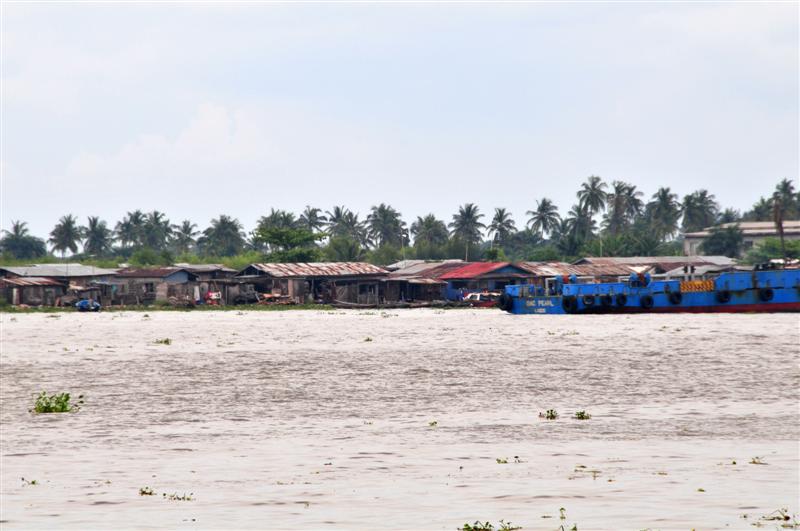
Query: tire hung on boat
<point x="506" y="302"/>
<point x="621" y="299"/>
<point x="766" y="294"/>
<point x="675" y="297"/>
<point x="646" y="302"/>
<point x="588" y="300"/>
<point x="723" y="296"/>
<point x="569" y="303"/>
<point x="606" y="301"/>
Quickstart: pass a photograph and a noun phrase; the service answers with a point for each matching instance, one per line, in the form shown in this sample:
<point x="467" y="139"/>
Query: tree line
<point x="629" y="225"/>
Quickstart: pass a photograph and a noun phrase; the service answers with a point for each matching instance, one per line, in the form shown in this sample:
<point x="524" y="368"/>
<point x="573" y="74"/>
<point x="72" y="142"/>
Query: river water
<point x="397" y="420"/>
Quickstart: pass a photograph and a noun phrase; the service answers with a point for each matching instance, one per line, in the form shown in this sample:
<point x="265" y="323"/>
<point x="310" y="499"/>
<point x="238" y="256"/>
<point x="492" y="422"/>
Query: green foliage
<point x="343" y="249"/>
<point x="494" y="254"/>
<point x="146" y="491"/>
<point x="59" y="403"/>
<point x="726" y="241"/>
<point x="550" y="414"/>
<point x="288" y="244"/>
<point x="582" y="415"/>
<point x="148" y="257"/>
<point x="771" y="248"/>
<point x="384" y="255"/>
<point x="165" y="341"/>
<point x="18" y="243"/>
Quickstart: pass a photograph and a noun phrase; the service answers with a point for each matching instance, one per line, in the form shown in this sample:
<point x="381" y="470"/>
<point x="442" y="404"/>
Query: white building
<point x="754" y="232"/>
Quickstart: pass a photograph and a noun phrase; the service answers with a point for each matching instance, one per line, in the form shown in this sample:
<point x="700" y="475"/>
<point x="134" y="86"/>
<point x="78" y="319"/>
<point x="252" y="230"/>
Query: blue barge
<point x="774" y="290"/>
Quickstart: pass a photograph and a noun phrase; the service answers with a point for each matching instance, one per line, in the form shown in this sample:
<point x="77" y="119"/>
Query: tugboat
<point x="764" y="289"/>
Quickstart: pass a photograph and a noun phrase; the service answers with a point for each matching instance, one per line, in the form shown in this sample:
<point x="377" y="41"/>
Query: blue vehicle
<point x="760" y="290"/>
<point x="88" y="305"/>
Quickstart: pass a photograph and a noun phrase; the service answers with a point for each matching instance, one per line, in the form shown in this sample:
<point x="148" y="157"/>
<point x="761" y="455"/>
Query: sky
<point x="199" y="110"/>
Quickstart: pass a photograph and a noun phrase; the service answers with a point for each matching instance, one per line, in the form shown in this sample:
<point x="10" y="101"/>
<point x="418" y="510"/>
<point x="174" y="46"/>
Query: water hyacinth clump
<point x="582" y="415"/>
<point x="59" y="403"/>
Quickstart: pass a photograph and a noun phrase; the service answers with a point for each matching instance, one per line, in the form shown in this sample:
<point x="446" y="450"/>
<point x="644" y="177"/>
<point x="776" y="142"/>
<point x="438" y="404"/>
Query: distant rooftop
<point x="752" y="228"/>
<point x="57" y="270"/>
<point x="316" y="269"/>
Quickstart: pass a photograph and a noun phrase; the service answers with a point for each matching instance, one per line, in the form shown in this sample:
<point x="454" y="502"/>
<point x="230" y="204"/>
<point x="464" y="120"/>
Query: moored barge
<point x="760" y="290"/>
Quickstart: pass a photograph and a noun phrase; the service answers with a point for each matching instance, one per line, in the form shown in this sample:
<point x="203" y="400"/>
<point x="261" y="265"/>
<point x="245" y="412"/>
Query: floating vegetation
<point x="56" y="403"/>
<point x="582" y="415"/>
<point x="551" y="414"/>
<point x="367" y="339"/>
<point x="165" y="341"/>
<point x="701" y="489"/>
<point x="758" y="461"/>
<point x="176" y="497"/>
<point x="780" y="515"/>
<point x="433" y="423"/>
<point x="146" y="491"/>
<point x="502" y="461"/>
<point x="29" y="482"/>
<point x="487" y="526"/>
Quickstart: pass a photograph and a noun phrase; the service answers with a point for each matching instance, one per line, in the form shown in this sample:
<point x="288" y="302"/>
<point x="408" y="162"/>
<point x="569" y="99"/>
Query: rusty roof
<point x="152" y="272"/>
<point x="477" y="269"/>
<point x="552" y="269"/>
<point x="318" y="269"/>
<point x="29" y="281"/>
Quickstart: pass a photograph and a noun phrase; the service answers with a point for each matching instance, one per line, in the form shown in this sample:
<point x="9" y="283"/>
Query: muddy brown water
<point x="294" y="420"/>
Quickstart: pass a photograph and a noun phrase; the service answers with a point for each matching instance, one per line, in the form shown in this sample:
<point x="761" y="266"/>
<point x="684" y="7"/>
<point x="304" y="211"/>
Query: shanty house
<point x="418" y="280"/>
<point x="147" y="285"/>
<point x="753" y="234"/>
<point x="481" y="276"/>
<point x="656" y="265"/>
<point x="353" y="282"/>
<point x="32" y="291"/>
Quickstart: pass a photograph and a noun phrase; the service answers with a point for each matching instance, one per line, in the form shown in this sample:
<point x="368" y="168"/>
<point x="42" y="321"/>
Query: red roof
<point x="477" y="269"/>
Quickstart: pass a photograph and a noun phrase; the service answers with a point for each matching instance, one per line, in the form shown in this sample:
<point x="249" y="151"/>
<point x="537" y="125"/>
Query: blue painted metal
<point x="762" y="291"/>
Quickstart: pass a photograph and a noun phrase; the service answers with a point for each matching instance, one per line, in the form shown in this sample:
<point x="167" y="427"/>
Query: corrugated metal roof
<point x="655" y="260"/>
<point x="58" y="270"/>
<point x="319" y="269"/>
<point x="553" y="269"/>
<point x="29" y="281"/>
<point x="423" y="267"/>
<point x="204" y="268"/>
<point x="153" y="272"/>
<point x="752" y="228"/>
<point x="477" y="269"/>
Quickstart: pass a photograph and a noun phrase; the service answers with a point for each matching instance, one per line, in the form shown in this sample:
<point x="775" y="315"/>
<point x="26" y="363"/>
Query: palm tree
<point x="579" y="223"/>
<point x="624" y="206"/>
<point x="699" y="211"/>
<point x="592" y="195"/>
<point x="502" y="226"/>
<point x="98" y="237"/>
<point x="663" y="213"/>
<point x="20" y="244"/>
<point x="385" y="226"/>
<point x="312" y="219"/>
<point x="336" y="221"/>
<point x="66" y="235"/>
<point x="429" y="231"/>
<point x="729" y="215"/>
<point x="223" y="238"/>
<point x="545" y="218"/>
<point x="184" y="236"/>
<point x="777" y="218"/>
<point x="466" y="226"/>
<point x="761" y="211"/>
<point x="157" y="230"/>
<point x="130" y="231"/>
<point x="789" y="204"/>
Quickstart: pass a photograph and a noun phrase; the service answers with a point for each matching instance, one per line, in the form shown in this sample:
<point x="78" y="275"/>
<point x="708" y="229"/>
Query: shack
<point x="32" y="291"/>
<point x="656" y="265"/>
<point x="353" y="282"/>
<point x="148" y="285"/>
<point x="483" y="276"/>
<point x="66" y="273"/>
<point x="418" y="280"/>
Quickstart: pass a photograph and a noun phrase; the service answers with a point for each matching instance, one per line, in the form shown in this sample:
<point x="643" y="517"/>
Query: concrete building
<point x="754" y="233"/>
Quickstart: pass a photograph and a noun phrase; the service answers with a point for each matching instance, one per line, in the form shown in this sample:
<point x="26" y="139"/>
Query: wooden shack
<point x="325" y="282"/>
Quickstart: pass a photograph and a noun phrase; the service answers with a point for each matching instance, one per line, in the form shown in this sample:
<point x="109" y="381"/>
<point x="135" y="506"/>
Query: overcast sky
<point x="202" y="110"/>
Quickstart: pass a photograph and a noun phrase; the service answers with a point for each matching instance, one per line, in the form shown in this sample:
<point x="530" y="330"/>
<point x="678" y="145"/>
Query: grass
<point x="59" y="403"/>
<point x="502" y="461"/>
<point x="146" y="491"/>
<point x="165" y="341"/>
<point x="176" y="497"/>
<point x="433" y="423"/>
<point x="582" y="415"/>
<point x="367" y="339"/>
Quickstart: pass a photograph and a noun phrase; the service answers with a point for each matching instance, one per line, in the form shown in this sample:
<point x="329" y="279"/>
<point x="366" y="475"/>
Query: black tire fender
<point x="646" y="302"/>
<point x="723" y="296"/>
<point x="766" y="294"/>
<point x="621" y="300"/>
<point x="675" y="297"/>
